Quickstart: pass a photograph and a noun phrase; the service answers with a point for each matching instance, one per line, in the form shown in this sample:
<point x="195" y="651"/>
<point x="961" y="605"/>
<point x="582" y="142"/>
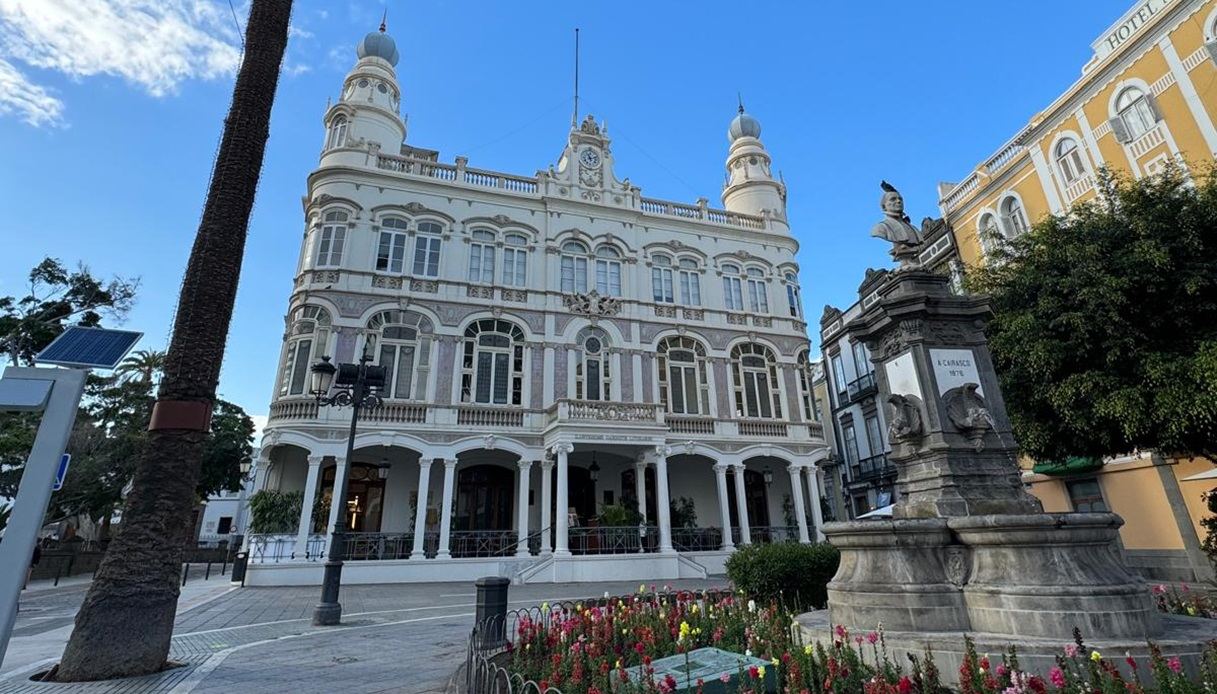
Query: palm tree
<point x="143" y="365"/>
<point x="125" y="624"/>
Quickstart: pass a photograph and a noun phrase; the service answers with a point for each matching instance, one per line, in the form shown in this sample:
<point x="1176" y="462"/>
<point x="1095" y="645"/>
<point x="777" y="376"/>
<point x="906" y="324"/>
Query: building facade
<point x="561" y="352"/>
<point x="1147" y="96"/>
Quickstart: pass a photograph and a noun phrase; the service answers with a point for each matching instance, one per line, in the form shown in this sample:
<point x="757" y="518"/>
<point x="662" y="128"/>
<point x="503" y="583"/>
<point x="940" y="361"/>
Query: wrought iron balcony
<point x="874" y="467"/>
<point x="862" y="387"/>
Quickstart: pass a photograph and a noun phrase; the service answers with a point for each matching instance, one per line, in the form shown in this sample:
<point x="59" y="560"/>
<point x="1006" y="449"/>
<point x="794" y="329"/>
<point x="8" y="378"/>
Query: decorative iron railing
<point x="862" y="386"/>
<point x="697" y="539"/>
<point x="613" y="539"/>
<point x="378" y="546"/>
<point x="483" y="543"/>
<point x="272" y="548"/>
<point x="770" y="534"/>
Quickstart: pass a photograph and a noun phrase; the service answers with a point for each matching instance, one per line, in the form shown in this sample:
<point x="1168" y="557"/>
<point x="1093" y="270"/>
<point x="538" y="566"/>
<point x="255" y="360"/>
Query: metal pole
<point x="329" y="611"/>
<point x="34" y="493"/>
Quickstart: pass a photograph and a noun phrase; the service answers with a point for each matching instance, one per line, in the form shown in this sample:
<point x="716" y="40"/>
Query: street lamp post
<point x="356" y="386"/>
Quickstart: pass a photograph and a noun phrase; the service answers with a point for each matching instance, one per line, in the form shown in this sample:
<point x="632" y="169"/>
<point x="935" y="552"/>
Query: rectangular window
<point x="593" y="379"/>
<point x="690" y="289"/>
<point x="661" y="285"/>
<point x="484" y="377"/>
<point x="390" y="256"/>
<point x="515" y="267"/>
<point x="758" y="296"/>
<point x="862" y="360"/>
<point x="329" y="246"/>
<point x="481" y="263"/>
<point x="574" y="274"/>
<point x="851" y="444"/>
<point x="732" y="294"/>
<point x="874" y="437"/>
<point x="501" y="374"/>
<point x="426" y="256"/>
<point x="225" y="525"/>
<point x="1086" y="496"/>
<point x="838" y="373"/>
<point x="608" y="277"/>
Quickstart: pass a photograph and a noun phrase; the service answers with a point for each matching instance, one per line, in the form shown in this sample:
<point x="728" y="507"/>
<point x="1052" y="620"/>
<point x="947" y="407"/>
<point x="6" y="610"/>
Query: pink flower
<point x="1057" y="677"/>
<point x="872" y="638"/>
<point x="1159" y="589"/>
<point x="1175" y="665"/>
<point x="724" y="678"/>
<point x="1071" y="650"/>
<point x="1001" y="670"/>
<point x="841" y="633"/>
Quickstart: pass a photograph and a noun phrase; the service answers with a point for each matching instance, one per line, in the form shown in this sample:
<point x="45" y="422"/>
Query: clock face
<point x="590" y="157"/>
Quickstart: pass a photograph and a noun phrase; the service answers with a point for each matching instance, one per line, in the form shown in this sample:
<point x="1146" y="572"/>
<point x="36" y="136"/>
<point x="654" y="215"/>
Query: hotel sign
<point x="1128" y="26"/>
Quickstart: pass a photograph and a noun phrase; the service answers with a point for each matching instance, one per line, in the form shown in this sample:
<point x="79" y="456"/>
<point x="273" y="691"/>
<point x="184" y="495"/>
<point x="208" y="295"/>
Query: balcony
<point x="861" y="387"/>
<point x="689" y="424"/>
<point x="604" y="412"/>
<point x="871" y="468"/>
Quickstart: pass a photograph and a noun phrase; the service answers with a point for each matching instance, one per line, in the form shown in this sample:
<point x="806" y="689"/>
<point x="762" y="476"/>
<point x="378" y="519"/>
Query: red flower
<point x="753" y="672"/>
<point x="904" y="686"/>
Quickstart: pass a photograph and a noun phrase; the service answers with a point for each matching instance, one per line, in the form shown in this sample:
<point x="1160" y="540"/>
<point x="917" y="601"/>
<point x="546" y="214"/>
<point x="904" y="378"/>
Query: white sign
<point x="902" y="376"/>
<point x="1128" y="26"/>
<point x="953" y="368"/>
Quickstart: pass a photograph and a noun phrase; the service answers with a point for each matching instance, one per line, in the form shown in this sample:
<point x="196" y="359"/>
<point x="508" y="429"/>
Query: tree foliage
<point x="57" y="297"/>
<point x="1105" y="321"/>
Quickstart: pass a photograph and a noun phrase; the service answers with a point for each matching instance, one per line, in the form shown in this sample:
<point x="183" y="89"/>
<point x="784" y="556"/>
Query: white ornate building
<point x="556" y="345"/>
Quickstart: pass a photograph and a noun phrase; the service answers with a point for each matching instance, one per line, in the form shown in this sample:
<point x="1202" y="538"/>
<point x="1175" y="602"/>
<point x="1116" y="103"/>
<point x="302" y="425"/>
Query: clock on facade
<point x="590" y="157"/>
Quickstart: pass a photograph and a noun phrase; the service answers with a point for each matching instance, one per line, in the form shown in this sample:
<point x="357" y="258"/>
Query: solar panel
<point x="90" y="348"/>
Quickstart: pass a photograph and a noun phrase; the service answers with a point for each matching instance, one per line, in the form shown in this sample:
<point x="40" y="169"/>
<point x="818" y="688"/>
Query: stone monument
<point x="968" y="549"/>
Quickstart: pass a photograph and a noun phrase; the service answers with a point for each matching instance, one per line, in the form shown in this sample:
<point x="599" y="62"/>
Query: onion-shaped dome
<point x="743" y="125"/>
<point x="378" y="44"/>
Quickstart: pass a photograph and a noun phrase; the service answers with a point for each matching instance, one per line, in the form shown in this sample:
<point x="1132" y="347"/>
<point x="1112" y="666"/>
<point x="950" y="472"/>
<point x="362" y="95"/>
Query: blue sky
<point x="110" y="112"/>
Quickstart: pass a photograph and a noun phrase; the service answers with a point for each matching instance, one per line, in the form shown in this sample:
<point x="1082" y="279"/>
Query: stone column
<point x="663" y="507"/>
<point x="813" y="499"/>
<point x="339" y="474"/>
<point x="306" y="507"/>
<point x="796" y="491"/>
<point x="741" y="506"/>
<point x="640" y="488"/>
<point x="522" y="508"/>
<point x="561" y="546"/>
<point x="420" y="513"/>
<point x="547" y="503"/>
<point x="724" y="512"/>
<point x="445" y="510"/>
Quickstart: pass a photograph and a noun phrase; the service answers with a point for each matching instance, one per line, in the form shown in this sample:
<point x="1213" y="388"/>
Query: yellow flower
<point x="761" y="671"/>
<point x="808" y="650"/>
<point x="693" y="609"/>
<point x="684" y="628"/>
<point x="642" y="587"/>
<point x="619" y="663"/>
<point x="775" y="662"/>
<point x="1094" y="655"/>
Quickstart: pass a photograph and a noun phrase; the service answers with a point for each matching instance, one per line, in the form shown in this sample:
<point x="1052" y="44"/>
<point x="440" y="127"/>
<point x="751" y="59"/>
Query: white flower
<point x="752" y="606"/>
<point x="748" y="652"/>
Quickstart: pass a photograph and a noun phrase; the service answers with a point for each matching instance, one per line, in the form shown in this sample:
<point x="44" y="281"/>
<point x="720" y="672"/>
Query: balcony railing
<point x="870" y="468"/>
<point x="468" y="415"/>
<point x="862" y="386"/>
<point x="697" y="539"/>
<point x="754" y="427"/>
<point x="293" y="409"/>
<point x="614" y="539"/>
<point x="604" y="411"/>
<point x="397" y="413"/>
<point x="684" y="424"/>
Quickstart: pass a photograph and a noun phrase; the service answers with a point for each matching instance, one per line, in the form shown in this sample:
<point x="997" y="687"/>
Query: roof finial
<point x="384" y="18"/>
<point x="741" y="101"/>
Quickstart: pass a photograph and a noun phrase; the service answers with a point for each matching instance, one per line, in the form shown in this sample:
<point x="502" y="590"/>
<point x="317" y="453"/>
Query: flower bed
<point x="609" y="645"/>
<point x="1185" y="602"/>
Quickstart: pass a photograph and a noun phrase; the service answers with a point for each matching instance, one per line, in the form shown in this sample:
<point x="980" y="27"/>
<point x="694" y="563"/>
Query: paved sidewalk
<point x="394" y="638"/>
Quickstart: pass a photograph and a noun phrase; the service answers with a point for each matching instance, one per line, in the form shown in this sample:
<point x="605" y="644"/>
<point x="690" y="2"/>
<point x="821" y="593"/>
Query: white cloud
<point x="26" y="100"/>
<point x="259" y="421"/>
<point x="153" y="44"/>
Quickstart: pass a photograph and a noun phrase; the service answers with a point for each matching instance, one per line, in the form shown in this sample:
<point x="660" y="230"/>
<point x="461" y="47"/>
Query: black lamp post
<point x="356" y="387"/>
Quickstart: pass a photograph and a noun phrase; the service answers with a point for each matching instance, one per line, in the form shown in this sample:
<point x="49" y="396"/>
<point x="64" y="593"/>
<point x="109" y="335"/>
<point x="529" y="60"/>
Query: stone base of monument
<point x="1185" y="637"/>
<point x="1034" y="575"/>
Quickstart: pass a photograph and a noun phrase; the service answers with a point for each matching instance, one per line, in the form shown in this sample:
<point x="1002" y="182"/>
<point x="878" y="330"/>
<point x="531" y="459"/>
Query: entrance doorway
<point x="484" y="498"/>
<point x="628" y="491"/>
<point x="365" y="498"/>
<point x="580" y="494"/>
<point x="756" y="498"/>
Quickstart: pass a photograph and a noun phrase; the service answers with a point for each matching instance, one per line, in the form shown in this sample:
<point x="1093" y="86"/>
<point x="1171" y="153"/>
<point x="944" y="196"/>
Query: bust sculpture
<point x="895" y="227"/>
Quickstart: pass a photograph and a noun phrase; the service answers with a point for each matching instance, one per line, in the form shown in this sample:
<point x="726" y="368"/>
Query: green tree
<point x="125" y="623"/>
<point x="143" y="364"/>
<point x="56" y="298"/>
<point x="1104" y="332"/>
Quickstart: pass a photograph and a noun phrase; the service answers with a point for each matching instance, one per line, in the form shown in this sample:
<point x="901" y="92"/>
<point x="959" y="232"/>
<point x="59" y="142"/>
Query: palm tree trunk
<point x="126" y="621"/>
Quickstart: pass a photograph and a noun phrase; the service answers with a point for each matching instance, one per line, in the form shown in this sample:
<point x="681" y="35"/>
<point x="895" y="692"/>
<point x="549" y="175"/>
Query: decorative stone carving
<point x="958" y="566"/>
<point x="737" y="318"/>
<point x="967" y="411"/>
<point x="905" y="425"/>
<point x="425" y="286"/>
<point x="900" y="339"/>
<point x="488" y="441"/>
<point x="592" y="304"/>
<point x="517" y="295"/>
<point x="693" y="314"/>
<point x="476" y="292"/>
<point x="665" y="311"/>
<point x="386" y="282"/>
<point x="762" y="321"/>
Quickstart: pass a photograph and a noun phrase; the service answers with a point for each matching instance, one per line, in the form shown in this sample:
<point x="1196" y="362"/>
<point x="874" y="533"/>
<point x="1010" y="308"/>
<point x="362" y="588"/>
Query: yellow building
<point x="1147" y="96"/>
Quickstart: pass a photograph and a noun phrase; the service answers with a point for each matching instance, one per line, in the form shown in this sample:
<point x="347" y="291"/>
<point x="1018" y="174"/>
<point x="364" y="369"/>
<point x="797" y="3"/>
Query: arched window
<point x="593" y="374"/>
<point x="662" y="285"/>
<point x="1013" y="217"/>
<point x="733" y="295"/>
<point x="683" y="376"/>
<point x="1135" y="113"/>
<point x="807" y="395"/>
<point x="307" y="341"/>
<point x="1069" y="160"/>
<point x="608" y="271"/>
<point x="690" y="282"/>
<point x="401" y="343"/>
<point x="515" y="260"/>
<point x="338" y="132"/>
<point x="426" y="249"/>
<point x="391" y="253"/>
<point x="574" y="267"/>
<point x="793" y="300"/>
<point x="481" y="256"/>
<point x="758" y="291"/>
<point x="331" y="239"/>
<point x="755" y="379"/>
<point x="492" y="370"/>
<point x="988" y="232"/>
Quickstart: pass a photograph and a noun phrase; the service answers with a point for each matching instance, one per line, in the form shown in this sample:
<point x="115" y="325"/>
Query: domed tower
<point x="751" y="188"/>
<point x="368" y="112"/>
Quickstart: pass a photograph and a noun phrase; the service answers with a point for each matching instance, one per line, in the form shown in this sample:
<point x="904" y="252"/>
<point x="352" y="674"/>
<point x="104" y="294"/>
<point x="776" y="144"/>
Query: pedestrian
<point x="33" y="562"/>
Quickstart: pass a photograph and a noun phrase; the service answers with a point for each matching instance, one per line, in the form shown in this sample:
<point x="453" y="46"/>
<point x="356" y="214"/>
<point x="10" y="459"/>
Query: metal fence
<point x="697" y="539"/>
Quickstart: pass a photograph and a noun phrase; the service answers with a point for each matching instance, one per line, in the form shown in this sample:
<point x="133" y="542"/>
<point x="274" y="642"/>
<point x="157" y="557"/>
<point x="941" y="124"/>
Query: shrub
<point x="794" y="573"/>
<point x="274" y="512"/>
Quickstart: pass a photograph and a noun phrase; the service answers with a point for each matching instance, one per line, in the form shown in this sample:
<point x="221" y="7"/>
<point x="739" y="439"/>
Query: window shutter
<point x="1120" y="130"/>
<point x="1153" y="107"/>
<point x="1211" y="47"/>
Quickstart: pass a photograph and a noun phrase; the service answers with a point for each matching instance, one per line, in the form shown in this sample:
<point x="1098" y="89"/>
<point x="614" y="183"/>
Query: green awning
<point x="1070" y="466"/>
